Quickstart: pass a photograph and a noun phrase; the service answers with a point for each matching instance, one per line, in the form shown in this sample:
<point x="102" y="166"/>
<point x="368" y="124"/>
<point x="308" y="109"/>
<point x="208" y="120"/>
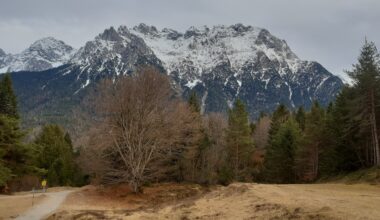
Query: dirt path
<point x="48" y="205"/>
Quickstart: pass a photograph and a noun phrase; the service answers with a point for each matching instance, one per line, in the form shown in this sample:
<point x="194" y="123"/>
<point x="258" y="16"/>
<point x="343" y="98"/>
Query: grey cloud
<point x="329" y="31"/>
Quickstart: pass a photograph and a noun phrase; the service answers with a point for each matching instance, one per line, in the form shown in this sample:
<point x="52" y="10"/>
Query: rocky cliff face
<point x="221" y="64"/>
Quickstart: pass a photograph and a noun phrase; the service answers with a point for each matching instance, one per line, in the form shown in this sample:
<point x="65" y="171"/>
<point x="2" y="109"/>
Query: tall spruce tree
<point x="366" y="76"/>
<point x="239" y="141"/>
<point x="14" y="155"/>
<point x="194" y="103"/>
<point x="329" y="156"/>
<point x="55" y="154"/>
<point x="308" y="154"/>
<point x="279" y="164"/>
<point x="301" y="117"/>
<point x="8" y="102"/>
<point x="349" y="140"/>
<point x="190" y="162"/>
<point x="279" y="116"/>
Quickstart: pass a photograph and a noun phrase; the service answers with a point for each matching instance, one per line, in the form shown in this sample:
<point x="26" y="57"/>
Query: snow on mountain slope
<point x="220" y="63"/>
<point x="207" y="47"/>
<point x="43" y="54"/>
<point x="249" y="62"/>
<point x="112" y="52"/>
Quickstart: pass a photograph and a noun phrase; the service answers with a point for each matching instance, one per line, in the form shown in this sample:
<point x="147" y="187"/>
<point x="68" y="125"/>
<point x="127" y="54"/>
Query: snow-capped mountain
<point x="43" y="54"/>
<point x="220" y="63"/>
<point x="230" y="62"/>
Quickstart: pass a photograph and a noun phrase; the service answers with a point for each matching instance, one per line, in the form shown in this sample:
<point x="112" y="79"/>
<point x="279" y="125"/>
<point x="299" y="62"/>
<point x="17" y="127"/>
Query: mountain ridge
<point x="220" y="63"/>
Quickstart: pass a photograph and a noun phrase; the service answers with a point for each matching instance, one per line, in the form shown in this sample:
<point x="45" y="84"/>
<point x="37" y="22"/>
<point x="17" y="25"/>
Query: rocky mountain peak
<point x="47" y="43"/>
<point x="2" y="53"/>
<point x="41" y="55"/>
<point x="220" y="63"/>
<point x="49" y="49"/>
<point x="146" y="29"/>
<point x="241" y="28"/>
<point x="110" y="34"/>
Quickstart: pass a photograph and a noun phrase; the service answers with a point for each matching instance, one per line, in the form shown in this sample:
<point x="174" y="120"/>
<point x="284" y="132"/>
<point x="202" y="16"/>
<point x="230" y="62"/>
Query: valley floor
<point x="236" y="201"/>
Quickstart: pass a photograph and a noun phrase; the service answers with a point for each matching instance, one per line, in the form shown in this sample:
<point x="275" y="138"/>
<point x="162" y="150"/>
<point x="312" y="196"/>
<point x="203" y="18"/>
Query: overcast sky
<point x="328" y="31"/>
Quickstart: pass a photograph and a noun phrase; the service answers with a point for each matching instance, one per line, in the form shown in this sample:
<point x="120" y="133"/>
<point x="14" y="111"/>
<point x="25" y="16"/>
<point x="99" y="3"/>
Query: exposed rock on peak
<point x="146" y="29"/>
<point x="2" y="53"/>
<point x="41" y="55"/>
<point x="220" y="63"/>
<point x="110" y="34"/>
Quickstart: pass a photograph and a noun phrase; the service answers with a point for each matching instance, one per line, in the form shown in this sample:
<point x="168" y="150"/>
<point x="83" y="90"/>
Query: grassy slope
<point x="370" y="175"/>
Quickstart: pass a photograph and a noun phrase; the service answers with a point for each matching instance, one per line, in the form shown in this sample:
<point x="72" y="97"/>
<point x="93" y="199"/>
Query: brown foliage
<point x="214" y="156"/>
<point x="140" y="125"/>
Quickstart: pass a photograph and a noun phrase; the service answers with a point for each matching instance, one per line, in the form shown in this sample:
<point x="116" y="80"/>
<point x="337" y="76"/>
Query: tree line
<point x="325" y="142"/>
<point x="48" y="154"/>
<point x="141" y="132"/>
<point x="144" y="133"/>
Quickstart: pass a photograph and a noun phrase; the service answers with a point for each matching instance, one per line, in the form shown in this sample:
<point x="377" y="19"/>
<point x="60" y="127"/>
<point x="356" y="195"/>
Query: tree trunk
<point x="374" y="131"/>
<point x="237" y="163"/>
<point x="135" y="186"/>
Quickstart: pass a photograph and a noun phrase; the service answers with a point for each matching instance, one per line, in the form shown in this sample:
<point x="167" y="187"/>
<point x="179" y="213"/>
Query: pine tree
<point x="281" y="153"/>
<point x="329" y="156"/>
<point x="308" y="154"/>
<point x="280" y="116"/>
<point x="347" y="137"/>
<point x="194" y="103"/>
<point x="190" y="163"/>
<point x="8" y="102"/>
<point x="239" y="141"/>
<point x="14" y="155"/>
<point x="366" y="75"/>
<point x="301" y="117"/>
<point x="55" y="154"/>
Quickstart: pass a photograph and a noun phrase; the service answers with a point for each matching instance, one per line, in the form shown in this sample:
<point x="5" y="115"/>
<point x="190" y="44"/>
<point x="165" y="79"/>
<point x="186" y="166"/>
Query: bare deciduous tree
<point x="213" y="157"/>
<point x="141" y="124"/>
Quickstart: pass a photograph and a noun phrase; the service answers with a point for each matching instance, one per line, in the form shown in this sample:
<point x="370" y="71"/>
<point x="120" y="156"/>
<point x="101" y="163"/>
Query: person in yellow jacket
<point x="43" y="184"/>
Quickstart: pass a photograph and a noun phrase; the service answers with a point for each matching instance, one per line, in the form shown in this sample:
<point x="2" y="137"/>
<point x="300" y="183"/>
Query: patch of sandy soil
<point x="236" y="201"/>
<point x="12" y="206"/>
<point x="92" y="202"/>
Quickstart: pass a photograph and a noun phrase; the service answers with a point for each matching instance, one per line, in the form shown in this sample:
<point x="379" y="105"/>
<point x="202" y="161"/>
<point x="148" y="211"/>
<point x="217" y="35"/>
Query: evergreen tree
<point x="281" y="153"/>
<point x="366" y="76"/>
<point x="190" y="163"/>
<point x="308" y="154"/>
<point x="194" y="103"/>
<point x="301" y="117"/>
<point x="55" y="154"/>
<point x="346" y="138"/>
<point x="8" y="102"/>
<point x="239" y="141"/>
<point x="280" y="116"/>
<point x="14" y="155"/>
<point x="329" y="156"/>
